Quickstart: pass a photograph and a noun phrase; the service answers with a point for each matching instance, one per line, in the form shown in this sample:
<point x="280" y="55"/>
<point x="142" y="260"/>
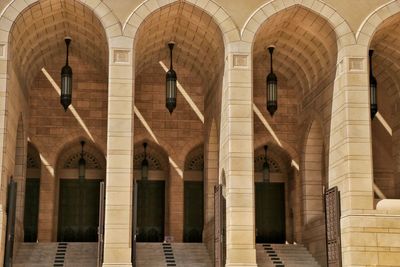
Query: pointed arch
<point x="370" y="25"/>
<point x="220" y="16"/>
<point x="343" y="31"/>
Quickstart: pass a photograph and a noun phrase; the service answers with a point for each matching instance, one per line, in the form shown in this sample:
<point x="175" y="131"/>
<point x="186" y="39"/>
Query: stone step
<point x="289" y="255"/>
<point x="44" y="255"/>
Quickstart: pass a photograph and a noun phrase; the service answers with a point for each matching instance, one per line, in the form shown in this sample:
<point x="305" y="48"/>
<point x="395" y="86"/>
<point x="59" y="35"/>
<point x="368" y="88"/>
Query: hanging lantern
<point x="66" y="80"/>
<point x="272" y="88"/>
<point x="372" y="88"/>
<point x="171" y="83"/>
<point x="82" y="164"/>
<point x="145" y="164"/>
<point x="266" y="166"/>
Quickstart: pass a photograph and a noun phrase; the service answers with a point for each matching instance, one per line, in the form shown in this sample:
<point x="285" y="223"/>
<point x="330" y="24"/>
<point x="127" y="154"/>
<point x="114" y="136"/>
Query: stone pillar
<point x="210" y="180"/>
<point x="350" y="153"/>
<point x="175" y="204"/>
<point x="237" y="154"/>
<point x="119" y="179"/>
<point x="47" y="202"/>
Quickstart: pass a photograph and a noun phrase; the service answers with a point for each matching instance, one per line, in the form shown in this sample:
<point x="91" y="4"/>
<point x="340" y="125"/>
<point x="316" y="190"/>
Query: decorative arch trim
<point x="109" y="21"/>
<point x="230" y="31"/>
<point x="343" y="31"/>
<point x="372" y="22"/>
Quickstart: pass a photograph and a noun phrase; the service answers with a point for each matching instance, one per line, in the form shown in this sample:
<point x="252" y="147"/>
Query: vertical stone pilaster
<point x="237" y="153"/>
<point x="350" y="153"/>
<point x="119" y="180"/>
<point x="175" y="203"/>
<point x="47" y="203"/>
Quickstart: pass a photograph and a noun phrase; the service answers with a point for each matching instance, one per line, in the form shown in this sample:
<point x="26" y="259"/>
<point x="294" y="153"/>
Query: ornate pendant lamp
<point x="145" y="164"/>
<point x="266" y="166"/>
<point x="82" y="164"/>
<point x="272" y="88"/>
<point x="372" y="88"/>
<point x="66" y="80"/>
<point x="171" y="83"/>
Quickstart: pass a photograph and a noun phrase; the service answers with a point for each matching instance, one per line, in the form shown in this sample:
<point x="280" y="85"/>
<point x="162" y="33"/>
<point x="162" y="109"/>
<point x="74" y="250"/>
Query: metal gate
<point x="332" y="219"/>
<point x="134" y="224"/>
<point x="220" y="227"/>
<point x="11" y="207"/>
<point x="100" y="244"/>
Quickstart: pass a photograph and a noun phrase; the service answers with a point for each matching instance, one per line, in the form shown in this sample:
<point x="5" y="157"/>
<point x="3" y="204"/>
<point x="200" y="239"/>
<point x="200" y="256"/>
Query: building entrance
<point x="150" y="211"/>
<point x="78" y="210"/>
<point x="270" y="212"/>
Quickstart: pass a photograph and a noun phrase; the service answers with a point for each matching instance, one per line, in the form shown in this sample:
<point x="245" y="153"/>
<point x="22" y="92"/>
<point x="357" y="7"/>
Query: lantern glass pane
<point x="145" y="170"/>
<point x="82" y="165"/>
<point x="171" y="89"/>
<point x="373" y="94"/>
<point x="265" y="172"/>
<point x="66" y="85"/>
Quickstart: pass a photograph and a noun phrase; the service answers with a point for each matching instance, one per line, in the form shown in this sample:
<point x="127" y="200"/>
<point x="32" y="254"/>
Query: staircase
<point x="81" y="255"/>
<point x="175" y="254"/>
<point x="149" y="254"/>
<point x="191" y="254"/>
<point x="280" y="255"/>
<point x="35" y="255"/>
<point x="56" y="254"/>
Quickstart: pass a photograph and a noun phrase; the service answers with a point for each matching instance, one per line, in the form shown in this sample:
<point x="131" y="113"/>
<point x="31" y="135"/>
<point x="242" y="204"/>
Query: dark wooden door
<point x="193" y="211"/>
<point x="270" y="213"/>
<point x="31" y="210"/>
<point x="150" y="211"/>
<point x="78" y="210"/>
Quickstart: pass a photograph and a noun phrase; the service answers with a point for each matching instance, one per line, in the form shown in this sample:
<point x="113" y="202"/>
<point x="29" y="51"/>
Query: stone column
<point x="210" y="180"/>
<point x="350" y="153"/>
<point x="236" y="155"/>
<point x="47" y="202"/>
<point x="119" y="180"/>
<point x="175" y="204"/>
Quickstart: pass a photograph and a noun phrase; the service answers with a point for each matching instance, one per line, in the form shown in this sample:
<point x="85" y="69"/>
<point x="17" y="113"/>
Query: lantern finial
<point x="171" y="83"/>
<point x="266" y="166"/>
<point x="66" y="80"/>
<point x="82" y="163"/>
<point x="372" y="88"/>
<point x="272" y="86"/>
<point x="145" y="164"/>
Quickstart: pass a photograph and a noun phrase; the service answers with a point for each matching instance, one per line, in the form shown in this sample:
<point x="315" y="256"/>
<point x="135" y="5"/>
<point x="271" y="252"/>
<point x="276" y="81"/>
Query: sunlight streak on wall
<point x="71" y="107"/>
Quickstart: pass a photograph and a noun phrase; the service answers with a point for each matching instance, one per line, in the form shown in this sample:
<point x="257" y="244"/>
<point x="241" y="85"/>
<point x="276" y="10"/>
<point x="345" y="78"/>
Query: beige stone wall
<point x="51" y="130"/>
<point x="340" y="102"/>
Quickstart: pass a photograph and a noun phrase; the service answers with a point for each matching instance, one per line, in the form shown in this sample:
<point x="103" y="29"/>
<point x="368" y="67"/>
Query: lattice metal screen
<point x="332" y="213"/>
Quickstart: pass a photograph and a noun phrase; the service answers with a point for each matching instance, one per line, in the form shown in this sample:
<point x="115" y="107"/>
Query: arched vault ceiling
<point x="37" y="36"/>
<point x="305" y="51"/>
<point x="199" y="44"/>
<point x="386" y="65"/>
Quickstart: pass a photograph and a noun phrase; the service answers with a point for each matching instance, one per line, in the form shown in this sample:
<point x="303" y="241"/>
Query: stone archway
<point x="77" y="212"/>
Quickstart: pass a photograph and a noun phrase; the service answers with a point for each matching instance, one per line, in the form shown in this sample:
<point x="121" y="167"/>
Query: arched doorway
<point x="150" y="193"/>
<point x="38" y="53"/>
<point x="385" y="128"/>
<point x="32" y="191"/>
<point x="78" y="212"/>
<point x="304" y="61"/>
<point x="194" y="196"/>
<point x="198" y="59"/>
